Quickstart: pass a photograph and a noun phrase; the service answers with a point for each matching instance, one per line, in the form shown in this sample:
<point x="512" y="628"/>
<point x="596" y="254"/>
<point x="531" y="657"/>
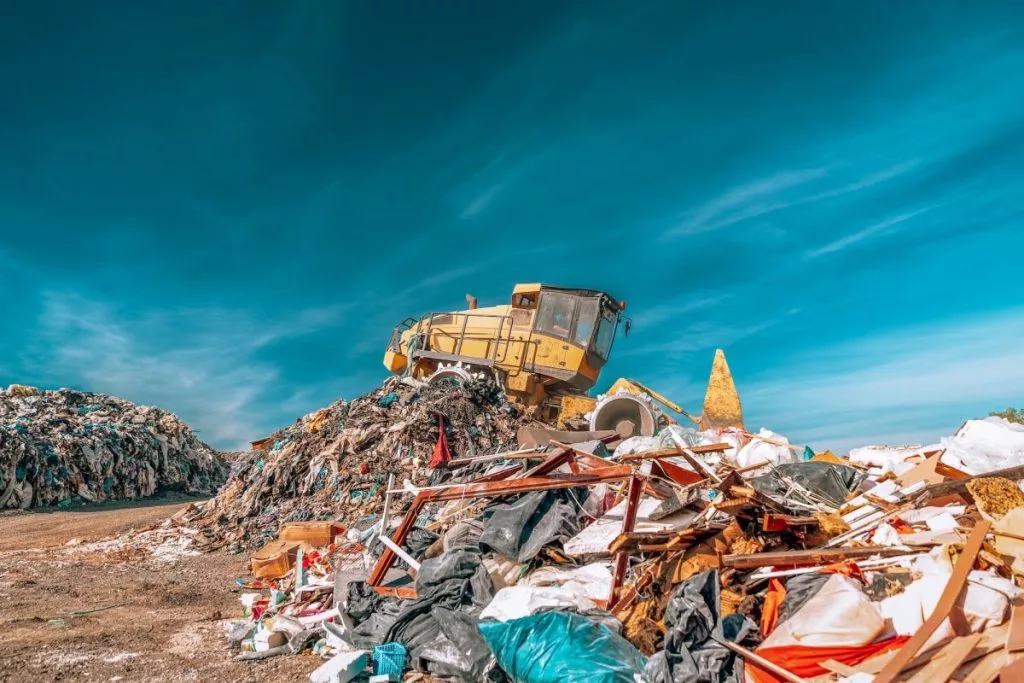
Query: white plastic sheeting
<point x="839" y="614"/>
<point x="984" y="603"/>
<point x="985" y="445"/>
<point x="592" y="580"/>
<point x="979" y="446"/>
<point x="887" y="458"/>
<point x="552" y="588"/>
<point x="516" y="602"/>
<point x="764" y="449"/>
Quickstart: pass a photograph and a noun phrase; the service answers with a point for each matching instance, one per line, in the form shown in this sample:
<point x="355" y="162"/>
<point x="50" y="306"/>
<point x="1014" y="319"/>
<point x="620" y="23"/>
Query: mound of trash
<point x="334" y="463"/>
<point x="67" y="447"/>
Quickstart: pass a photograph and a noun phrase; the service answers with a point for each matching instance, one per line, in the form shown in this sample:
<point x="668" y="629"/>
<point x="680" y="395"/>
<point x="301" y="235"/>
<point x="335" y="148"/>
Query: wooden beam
<point x="960" y="485"/>
<point x="946" y="661"/>
<point x="761" y="662"/>
<point x="786" y="558"/>
<point x="675" y="452"/>
<point x="1015" y="638"/>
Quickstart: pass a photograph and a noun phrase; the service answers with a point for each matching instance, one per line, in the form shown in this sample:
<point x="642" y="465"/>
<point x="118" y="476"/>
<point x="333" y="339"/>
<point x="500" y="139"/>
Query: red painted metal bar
<point x="636" y="486"/>
<point x="387" y="558"/>
<point x="493" y="489"/>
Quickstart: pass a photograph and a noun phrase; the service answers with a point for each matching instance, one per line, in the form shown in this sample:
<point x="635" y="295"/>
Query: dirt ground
<point x="147" y="620"/>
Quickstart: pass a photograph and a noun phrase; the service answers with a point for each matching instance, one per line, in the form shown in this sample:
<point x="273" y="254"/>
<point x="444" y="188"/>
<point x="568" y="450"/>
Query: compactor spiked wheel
<point x="457" y="374"/>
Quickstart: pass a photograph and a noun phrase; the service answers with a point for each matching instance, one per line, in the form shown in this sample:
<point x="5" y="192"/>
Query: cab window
<point x="554" y="315"/>
<point x="585" y="320"/>
<point x="605" y="334"/>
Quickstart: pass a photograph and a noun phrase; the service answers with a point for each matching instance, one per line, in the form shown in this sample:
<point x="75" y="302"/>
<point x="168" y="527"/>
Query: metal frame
<point x="498" y="484"/>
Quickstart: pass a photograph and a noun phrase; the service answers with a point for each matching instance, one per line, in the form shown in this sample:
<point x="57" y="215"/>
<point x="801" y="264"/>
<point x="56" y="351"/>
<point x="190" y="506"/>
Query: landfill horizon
<point x="529" y="343"/>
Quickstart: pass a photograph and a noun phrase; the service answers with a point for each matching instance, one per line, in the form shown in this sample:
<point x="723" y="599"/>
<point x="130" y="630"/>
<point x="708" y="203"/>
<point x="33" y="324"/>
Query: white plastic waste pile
<point x="65" y="446"/>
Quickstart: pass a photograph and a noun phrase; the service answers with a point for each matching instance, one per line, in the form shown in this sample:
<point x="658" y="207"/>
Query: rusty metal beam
<point x="636" y="487"/>
<point x="495" y="489"/>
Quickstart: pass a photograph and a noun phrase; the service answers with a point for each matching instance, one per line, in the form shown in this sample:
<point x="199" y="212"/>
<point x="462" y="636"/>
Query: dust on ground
<point x="144" y="620"/>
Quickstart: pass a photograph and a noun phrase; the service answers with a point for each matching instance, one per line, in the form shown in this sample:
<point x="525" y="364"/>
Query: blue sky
<point x="222" y="208"/>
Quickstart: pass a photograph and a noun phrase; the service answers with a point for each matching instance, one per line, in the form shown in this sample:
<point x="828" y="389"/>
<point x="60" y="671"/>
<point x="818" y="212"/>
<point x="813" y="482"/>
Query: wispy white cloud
<point x="746" y="201"/>
<point x="880" y="228"/>
<point x="483" y="200"/>
<point x="679" y="309"/>
<point x="203" y="364"/>
<point x="704" y="334"/>
<point x="908" y="382"/>
<point x="773" y="194"/>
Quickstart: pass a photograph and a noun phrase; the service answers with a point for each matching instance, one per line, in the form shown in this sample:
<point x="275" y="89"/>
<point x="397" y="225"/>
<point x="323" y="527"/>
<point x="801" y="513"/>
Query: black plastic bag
<point x="830" y="481"/>
<point x="439" y="627"/>
<point x="518" y="530"/>
<point x="692" y="654"/>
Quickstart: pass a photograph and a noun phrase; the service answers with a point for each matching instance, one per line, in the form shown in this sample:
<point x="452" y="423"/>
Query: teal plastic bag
<point x="560" y="647"/>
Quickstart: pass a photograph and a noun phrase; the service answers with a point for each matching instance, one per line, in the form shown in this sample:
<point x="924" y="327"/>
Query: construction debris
<point x="438" y="531"/>
<point x="67" y="447"/>
<point x="333" y="464"/>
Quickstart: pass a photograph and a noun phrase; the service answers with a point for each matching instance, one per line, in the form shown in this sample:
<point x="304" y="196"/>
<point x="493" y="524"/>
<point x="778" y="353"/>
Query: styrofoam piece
<point x="887" y="458"/>
<point x="943" y="522"/>
<point x="341" y="668"/>
<point x="921" y="515"/>
<point x="265" y="639"/>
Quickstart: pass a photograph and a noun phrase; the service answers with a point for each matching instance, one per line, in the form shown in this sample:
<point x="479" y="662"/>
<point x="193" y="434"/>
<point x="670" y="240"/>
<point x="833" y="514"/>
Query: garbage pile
<point x="67" y="447"/>
<point x="709" y="556"/>
<point x="333" y="463"/>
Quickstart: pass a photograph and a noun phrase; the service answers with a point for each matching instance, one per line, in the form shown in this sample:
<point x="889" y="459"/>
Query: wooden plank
<point x="957" y="580"/>
<point x="1015" y="638"/>
<point x="631" y="541"/>
<point x="761" y="662"/>
<point x="960" y="485"/>
<point x="984" y="669"/>
<point x="946" y="661"/>
<point x="1012" y="672"/>
<point x="675" y="452"/>
<point x="992" y="640"/>
<point x="839" y="668"/>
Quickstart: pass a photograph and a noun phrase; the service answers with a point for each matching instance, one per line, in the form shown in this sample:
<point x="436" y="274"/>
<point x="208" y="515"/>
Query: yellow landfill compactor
<point x="546" y="349"/>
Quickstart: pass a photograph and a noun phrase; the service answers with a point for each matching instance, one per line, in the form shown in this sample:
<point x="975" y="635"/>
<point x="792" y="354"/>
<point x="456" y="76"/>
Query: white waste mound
<point x="65" y="446"/>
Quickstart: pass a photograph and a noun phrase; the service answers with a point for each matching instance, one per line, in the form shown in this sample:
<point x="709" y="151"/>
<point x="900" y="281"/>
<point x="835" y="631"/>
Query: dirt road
<point x="68" y="612"/>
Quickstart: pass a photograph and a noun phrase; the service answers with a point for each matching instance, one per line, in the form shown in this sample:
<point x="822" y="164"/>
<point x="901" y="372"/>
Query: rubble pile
<point x="678" y="557"/>
<point x="334" y="463"/>
<point x="65" y="447"/>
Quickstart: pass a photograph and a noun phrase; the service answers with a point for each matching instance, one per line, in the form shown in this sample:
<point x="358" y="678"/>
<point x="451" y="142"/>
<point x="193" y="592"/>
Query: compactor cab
<point x="584" y="319"/>
<point x="547" y="343"/>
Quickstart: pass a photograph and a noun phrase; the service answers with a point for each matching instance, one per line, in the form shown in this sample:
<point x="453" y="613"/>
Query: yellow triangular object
<point x="722" y="406"/>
